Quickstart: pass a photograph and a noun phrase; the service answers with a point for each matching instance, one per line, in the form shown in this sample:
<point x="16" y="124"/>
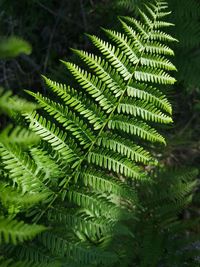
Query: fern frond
<point x="52" y="134"/>
<point x="158" y="35"/>
<point x="146" y="111"/>
<point x="10" y="198"/>
<point x="158" y="48"/>
<point x="102" y="182"/>
<point x="103" y="70"/>
<point x="71" y="99"/>
<point x="37" y="254"/>
<point x="12" y="231"/>
<point x="149" y="94"/>
<point x="68" y="119"/>
<point x="163" y="14"/>
<point x="162" y="24"/>
<point x="47" y="163"/>
<point x="114" y="162"/>
<point x="94" y="228"/>
<point x="163" y="201"/>
<point x="130" y="4"/>
<point x="146" y="20"/>
<point x="96" y="204"/>
<point x="125" y="147"/>
<point x="125" y="44"/>
<point x="13" y="105"/>
<point x="154" y="76"/>
<point x="157" y="62"/>
<point x="81" y="252"/>
<point x="88" y="131"/>
<point x="21" y="169"/>
<point x="114" y="56"/>
<point x="135" y="127"/>
<point x="93" y="86"/>
<point x="19" y="135"/>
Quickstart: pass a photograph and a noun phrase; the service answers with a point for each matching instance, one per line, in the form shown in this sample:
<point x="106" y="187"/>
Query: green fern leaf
<point x="125" y="147"/>
<point x="149" y="94"/>
<point x="70" y="98"/>
<point x="87" y="131"/>
<point x="12" y="231"/>
<point x="10" y="199"/>
<point x="50" y="133"/>
<point x="114" y="162"/>
<point x="21" y="169"/>
<point x="135" y="127"/>
<point x="67" y="118"/>
<point x="102" y="182"/>
<point x="146" y="111"/>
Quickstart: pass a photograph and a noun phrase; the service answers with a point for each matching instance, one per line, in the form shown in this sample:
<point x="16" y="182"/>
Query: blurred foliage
<point x="12" y="47"/>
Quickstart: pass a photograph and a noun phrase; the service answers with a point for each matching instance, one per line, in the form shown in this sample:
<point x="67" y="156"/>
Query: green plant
<point x="12" y="199"/>
<point x="13" y="46"/>
<point x="187" y="31"/>
<point x="132" y="5"/>
<point x="183" y="139"/>
<point x="12" y="105"/>
<point x="83" y="180"/>
<point x="168" y="237"/>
